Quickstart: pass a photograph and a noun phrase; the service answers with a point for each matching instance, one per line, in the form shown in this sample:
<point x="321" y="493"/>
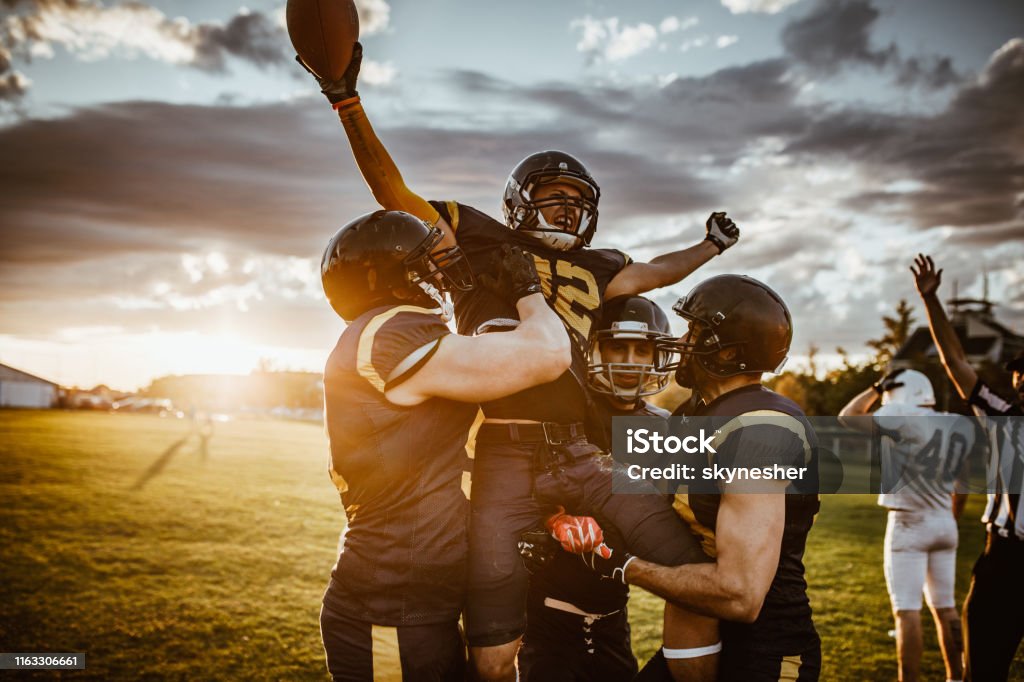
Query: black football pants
<point x="515" y="486"/>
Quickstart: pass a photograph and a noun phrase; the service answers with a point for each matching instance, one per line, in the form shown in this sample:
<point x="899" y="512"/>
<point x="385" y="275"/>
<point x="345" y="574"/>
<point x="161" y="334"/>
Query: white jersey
<point x="923" y="453"/>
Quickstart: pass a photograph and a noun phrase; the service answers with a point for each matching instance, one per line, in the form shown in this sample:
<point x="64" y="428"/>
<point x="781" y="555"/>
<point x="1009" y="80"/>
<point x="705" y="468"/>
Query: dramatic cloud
<point x="673" y="24"/>
<point x="834" y="34"/>
<point x="93" y="31"/>
<point x="147" y="177"/>
<point x="376" y="73"/>
<point x="969" y="158"/>
<point x="13" y="86"/>
<point x="147" y="215"/>
<point x="374" y="16"/>
<point x="605" y="39"/>
<point x="761" y="6"/>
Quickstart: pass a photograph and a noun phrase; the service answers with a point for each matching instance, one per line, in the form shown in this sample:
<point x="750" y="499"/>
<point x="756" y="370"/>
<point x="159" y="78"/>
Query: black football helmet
<point x="630" y="318"/>
<point x="377" y="254"/>
<point x="523" y="211"/>
<point x="732" y="311"/>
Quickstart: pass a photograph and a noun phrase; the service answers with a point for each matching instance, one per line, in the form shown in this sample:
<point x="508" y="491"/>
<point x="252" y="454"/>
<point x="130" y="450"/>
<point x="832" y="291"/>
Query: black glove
<point x="345" y="87"/>
<point x="608" y="563"/>
<point x="888" y="382"/>
<point x="537" y="548"/>
<point x="722" y="231"/>
<point x="511" y="274"/>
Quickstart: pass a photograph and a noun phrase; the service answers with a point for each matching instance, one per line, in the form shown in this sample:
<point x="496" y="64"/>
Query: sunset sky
<point x="169" y="176"/>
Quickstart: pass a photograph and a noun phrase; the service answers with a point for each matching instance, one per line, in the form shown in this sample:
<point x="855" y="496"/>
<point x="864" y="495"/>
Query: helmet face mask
<point x="447" y="269"/>
<point x="731" y="312"/>
<point x="390" y="258"/>
<point x="524" y="210"/>
<point x="632" y="330"/>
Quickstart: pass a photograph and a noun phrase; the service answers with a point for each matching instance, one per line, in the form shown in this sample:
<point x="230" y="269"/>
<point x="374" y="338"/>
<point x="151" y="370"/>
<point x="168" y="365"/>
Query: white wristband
<point x="676" y="654"/>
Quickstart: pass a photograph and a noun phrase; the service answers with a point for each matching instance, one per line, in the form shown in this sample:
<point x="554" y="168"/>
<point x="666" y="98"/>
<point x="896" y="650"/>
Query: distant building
<point x="21" y="389"/>
<point x="987" y="344"/>
<point x="983" y="338"/>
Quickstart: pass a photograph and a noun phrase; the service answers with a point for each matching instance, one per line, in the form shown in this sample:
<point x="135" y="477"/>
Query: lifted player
<point x="532" y="453"/>
<point x="577" y="624"/>
<point x="400" y="395"/>
<point x="756" y="530"/>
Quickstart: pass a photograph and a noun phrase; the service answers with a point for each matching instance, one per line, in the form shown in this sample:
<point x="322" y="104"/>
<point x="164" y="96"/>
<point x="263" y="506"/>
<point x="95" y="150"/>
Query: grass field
<point x="124" y="538"/>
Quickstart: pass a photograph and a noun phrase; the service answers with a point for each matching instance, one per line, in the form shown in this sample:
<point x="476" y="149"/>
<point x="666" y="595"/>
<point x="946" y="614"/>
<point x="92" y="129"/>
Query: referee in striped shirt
<point x="993" y="626"/>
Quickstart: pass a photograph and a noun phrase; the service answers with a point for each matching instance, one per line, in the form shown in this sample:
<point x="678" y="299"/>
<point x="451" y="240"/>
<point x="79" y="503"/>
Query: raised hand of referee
<point x="926" y="278"/>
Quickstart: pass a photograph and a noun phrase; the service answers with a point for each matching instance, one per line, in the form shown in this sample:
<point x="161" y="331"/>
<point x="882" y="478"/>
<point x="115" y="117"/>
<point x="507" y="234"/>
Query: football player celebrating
<point x="990" y="639"/>
<point x="924" y="454"/>
<point x="532" y="452"/>
<point x="400" y="396"/>
<point x="577" y="626"/>
<point x="738" y="329"/>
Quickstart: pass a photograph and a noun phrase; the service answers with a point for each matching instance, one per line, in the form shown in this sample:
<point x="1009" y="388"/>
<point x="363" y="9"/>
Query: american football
<point x="323" y="33"/>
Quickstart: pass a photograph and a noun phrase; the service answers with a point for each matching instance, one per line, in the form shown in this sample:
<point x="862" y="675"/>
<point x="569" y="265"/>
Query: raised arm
<point x="669" y="268"/>
<point x="950" y="351"/>
<point x="491" y="366"/>
<point x="375" y="164"/>
<point x="859" y="406"/>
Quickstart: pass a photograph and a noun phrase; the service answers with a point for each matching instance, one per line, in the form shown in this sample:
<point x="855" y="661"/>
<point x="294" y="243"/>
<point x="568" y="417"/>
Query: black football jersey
<point x="573" y="282"/>
<point x="566" y="578"/>
<point x="399" y="471"/>
<point x="785" y="438"/>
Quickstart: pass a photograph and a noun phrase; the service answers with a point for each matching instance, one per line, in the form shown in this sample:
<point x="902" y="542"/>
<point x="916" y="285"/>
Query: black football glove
<point x="888" y="382"/>
<point x="537" y="548"/>
<point x="722" y="231"/>
<point x="608" y="563"/>
<point x="512" y="274"/>
<point x="345" y="87"/>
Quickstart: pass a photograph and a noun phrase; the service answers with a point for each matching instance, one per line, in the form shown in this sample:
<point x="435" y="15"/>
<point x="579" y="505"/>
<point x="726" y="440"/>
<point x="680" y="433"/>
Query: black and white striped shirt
<point x="1004" y="513"/>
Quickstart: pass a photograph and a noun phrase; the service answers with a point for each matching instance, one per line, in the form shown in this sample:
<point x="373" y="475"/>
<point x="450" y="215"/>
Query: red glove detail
<point x="576" y="534"/>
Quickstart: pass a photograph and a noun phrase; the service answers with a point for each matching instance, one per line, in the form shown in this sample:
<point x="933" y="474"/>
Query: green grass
<point x="213" y="567"/>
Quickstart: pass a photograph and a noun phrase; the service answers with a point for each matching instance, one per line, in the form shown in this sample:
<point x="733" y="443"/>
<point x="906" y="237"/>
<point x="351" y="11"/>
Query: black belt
<point x="545" y="432"/>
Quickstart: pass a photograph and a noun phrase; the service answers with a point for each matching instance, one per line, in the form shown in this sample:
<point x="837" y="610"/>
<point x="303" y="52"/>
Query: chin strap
<point x="557" y="240"/>
<point x="446" y="307"/>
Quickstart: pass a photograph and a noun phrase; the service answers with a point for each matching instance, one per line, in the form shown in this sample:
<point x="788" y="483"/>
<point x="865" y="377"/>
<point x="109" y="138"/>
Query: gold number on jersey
<point x="571" y="284"/>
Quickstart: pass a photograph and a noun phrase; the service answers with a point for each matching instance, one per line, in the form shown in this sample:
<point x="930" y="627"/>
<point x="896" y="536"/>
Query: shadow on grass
<point x="160" y="464"/>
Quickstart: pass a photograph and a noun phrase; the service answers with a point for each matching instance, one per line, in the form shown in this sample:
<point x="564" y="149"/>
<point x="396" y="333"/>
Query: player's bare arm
<point x="453" y="371"/>
<point x="748" y="540"/>
<point x="927" y="280"/>
<point x="861" y="404"/>
<point x="375" y="164"/>
<point x="669" y="268"/>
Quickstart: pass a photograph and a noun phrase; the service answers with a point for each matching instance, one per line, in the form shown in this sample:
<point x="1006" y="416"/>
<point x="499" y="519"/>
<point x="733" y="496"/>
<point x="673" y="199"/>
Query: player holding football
<point x="400" y="395"/>
<point x="577" y="624"/>
<point x="756" y="530"/>
<point x="532" y="453"/>
<point x="924" y="456"/>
